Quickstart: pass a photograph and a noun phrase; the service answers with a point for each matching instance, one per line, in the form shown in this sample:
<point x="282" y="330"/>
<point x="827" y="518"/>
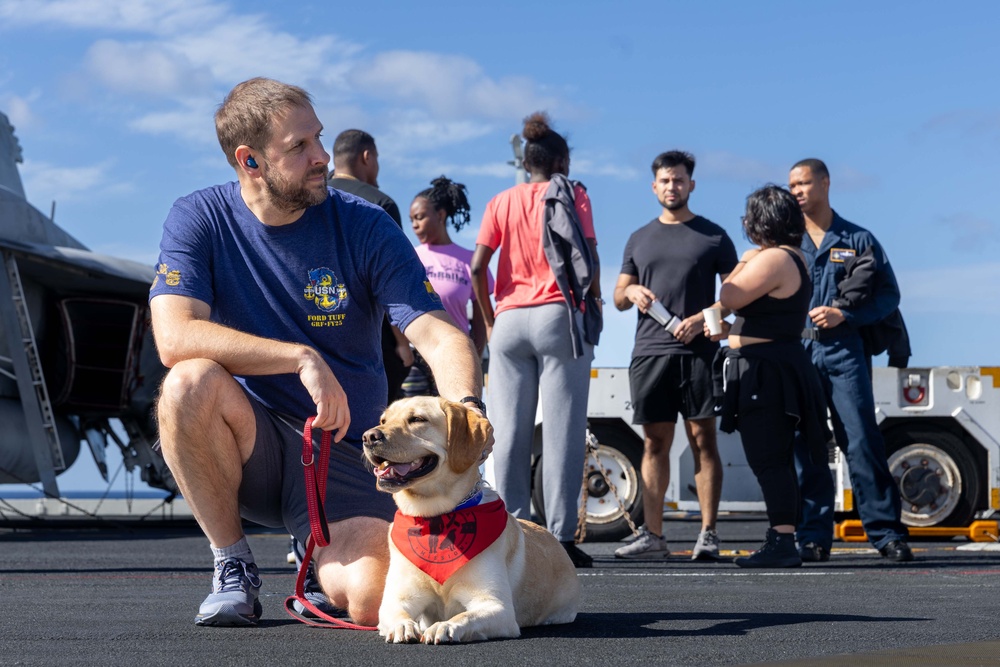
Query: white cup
<point x="713" y="318"/>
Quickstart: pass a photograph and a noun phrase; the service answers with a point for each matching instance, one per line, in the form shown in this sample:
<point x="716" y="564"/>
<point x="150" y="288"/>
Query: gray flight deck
<point x="127" y="595"/>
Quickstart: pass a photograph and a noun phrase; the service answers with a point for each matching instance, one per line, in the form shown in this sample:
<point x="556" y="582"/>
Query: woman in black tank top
<point x="772" y="390"/>
<point x="772" y="318"/>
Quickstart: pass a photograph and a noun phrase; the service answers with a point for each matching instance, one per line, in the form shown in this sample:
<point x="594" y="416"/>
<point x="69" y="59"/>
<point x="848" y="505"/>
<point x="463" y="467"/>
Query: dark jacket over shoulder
<point x="861" y="281"/>
<point x="571" y="260"/>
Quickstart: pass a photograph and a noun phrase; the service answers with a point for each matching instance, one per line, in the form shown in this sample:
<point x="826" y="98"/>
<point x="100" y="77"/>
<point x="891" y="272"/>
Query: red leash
<point x="316" y="476"/>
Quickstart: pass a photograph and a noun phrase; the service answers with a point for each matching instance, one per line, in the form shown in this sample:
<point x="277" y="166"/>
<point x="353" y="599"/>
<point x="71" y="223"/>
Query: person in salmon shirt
<point x="535" y="342"/>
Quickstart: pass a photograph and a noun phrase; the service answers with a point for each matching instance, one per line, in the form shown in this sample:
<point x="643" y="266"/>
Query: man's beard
<point x="290" y="197"/>
<point x="677" y="204"/>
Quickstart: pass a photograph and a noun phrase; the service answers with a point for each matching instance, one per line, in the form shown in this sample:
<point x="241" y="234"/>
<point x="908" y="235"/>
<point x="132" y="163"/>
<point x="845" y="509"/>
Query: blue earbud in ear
<point x="251" y="163"/>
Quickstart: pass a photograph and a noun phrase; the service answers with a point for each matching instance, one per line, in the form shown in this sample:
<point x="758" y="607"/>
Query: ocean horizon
<point x="88" y="494"/>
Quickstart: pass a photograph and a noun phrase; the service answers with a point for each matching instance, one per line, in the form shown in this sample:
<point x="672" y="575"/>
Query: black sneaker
<point x="897" y="550"/>
<point x="580" y="558"/>
<point x="778" y="550"/>
<point x="810" y="552"/>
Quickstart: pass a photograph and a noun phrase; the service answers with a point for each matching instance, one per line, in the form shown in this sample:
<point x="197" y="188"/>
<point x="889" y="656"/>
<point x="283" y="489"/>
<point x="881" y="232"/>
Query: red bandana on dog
<point x="441" y="545"/>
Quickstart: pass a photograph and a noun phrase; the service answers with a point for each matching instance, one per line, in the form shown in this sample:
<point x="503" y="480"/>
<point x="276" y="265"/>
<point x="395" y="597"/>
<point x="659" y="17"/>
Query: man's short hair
<point x="773" y="218"/>
<point x="245" y="117"/>
<point x="350" y="144"/>
<point x="815" y="165"/>
<point x="673" y="159"/>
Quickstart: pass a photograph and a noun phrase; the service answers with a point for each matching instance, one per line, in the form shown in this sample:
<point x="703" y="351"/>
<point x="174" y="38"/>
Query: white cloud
<point x="143" y="68"/>
<point x="495" y="169"/>
<point x="193" y="62"/>
<point x="195" y="43"/>
<point x="972" y="233"/>
<point x="245" y="46"/>
<point x="46" y="182"/>
<point x="339" y="117"/>
<point x="415" y="130"/>
<point x="849" y="179"/>
<point x="145" y="254"/>
<point x="449" y="86"/>
<point x="180" y="57"/>
<point x="583" y="163"/>
<point x="729" y="166"/>
<point x="152" y="16"/>
<point x="970" y="124"/>
<point x="18" y="111"/>
<point x="194" y="123"/>
<point x="956" y="290"/>
<point x="580" y="167"/>
<point x="421" y="168"/>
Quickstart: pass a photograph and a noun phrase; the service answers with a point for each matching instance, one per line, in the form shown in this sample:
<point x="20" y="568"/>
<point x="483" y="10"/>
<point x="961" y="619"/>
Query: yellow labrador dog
<point x="461" y="567"/>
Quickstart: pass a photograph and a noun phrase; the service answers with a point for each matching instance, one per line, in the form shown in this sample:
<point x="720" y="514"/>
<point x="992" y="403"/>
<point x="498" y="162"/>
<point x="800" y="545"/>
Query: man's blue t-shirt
<point x="324" y="281"/>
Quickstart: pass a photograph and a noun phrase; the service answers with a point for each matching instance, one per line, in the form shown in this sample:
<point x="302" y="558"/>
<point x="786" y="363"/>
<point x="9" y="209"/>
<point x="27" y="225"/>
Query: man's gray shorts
<point x="273" y="491"/>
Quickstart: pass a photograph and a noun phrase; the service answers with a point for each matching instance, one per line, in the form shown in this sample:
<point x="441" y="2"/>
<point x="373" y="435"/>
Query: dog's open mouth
<point x="391" y="473"/>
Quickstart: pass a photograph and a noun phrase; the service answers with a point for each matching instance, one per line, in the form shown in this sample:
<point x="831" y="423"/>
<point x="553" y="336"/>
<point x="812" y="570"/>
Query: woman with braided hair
<point x="536" y="349"/>
<point x="447" y="265"/>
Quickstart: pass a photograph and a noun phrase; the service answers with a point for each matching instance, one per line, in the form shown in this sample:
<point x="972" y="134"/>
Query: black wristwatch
<point x="478" y="402"/>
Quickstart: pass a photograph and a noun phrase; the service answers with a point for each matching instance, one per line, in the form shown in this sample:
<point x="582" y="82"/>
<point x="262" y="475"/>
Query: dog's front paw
<point x="443" y="632"/>
<point x="400" y="632"/>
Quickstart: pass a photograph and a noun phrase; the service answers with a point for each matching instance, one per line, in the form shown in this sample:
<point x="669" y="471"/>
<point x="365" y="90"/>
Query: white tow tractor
<point x="942" y="433"/>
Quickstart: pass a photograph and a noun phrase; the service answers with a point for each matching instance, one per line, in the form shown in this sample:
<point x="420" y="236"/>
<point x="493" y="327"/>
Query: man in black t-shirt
<point x="674" y="260"/>
<point x="355" y="170"/>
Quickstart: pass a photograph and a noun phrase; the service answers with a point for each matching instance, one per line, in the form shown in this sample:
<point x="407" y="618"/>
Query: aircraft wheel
<point x="620" y="453"/>
<point x="935" y="473"/>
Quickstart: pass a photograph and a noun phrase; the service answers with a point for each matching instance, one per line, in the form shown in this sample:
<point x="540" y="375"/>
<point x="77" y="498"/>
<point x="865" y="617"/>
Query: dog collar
<point x="474" y="498"/>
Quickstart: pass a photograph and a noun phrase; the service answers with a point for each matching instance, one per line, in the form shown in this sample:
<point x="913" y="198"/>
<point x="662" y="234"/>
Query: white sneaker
<point x="707" y="546"/>
<point x="644" y="547"/>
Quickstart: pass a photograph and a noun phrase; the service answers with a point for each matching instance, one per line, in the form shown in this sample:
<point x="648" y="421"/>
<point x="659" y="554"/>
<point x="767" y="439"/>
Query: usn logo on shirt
<point x="171" y="278"/>
<point x="328" y="295"/>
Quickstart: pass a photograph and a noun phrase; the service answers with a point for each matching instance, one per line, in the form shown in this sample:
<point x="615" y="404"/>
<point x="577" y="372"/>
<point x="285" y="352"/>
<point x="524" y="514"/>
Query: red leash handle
<point x="316" y="476"/>
<point x="316" y="482"/>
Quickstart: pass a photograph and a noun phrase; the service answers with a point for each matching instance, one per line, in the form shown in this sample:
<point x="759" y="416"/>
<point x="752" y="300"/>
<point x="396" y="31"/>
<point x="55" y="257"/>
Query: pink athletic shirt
<point x="513" y="220"/>
<point x="449" y="270"/>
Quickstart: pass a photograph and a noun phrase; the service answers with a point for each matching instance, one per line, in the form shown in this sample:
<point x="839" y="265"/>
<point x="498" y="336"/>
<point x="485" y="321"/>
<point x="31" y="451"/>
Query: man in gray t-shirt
<point x="674" y="260"/>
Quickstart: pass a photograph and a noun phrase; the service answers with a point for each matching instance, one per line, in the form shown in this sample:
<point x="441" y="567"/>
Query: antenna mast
<point x="520" y="174"/>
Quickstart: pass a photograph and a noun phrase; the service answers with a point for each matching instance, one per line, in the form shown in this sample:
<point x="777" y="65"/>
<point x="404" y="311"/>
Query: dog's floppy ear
<point x="467" y="435"/>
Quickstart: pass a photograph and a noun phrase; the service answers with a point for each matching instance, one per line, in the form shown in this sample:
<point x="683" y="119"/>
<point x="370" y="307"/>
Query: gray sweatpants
<point x="530" y="354"/>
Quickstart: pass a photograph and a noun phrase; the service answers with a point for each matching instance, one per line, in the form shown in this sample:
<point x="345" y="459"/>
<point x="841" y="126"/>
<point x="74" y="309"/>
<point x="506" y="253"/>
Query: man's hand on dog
<point x="490" y="441"/>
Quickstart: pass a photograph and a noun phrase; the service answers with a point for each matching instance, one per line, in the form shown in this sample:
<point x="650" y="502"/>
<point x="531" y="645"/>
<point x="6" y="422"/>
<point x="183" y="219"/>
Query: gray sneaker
<point x="644" y="547"/>
<point x="233" y="600"/>
<point x="707" y="546"/>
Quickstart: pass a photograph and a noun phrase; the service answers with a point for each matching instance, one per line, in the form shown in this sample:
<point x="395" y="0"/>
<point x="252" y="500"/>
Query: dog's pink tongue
<point x="394" y="469"/>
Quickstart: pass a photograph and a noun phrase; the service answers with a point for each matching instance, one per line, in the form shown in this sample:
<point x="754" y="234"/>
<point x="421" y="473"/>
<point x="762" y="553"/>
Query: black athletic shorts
<point x="273" y="491"/>
<point x="667" y="384"/>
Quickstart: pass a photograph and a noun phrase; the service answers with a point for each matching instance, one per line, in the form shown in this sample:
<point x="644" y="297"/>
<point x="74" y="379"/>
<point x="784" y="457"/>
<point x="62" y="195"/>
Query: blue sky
<point x="113" y="104"/>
